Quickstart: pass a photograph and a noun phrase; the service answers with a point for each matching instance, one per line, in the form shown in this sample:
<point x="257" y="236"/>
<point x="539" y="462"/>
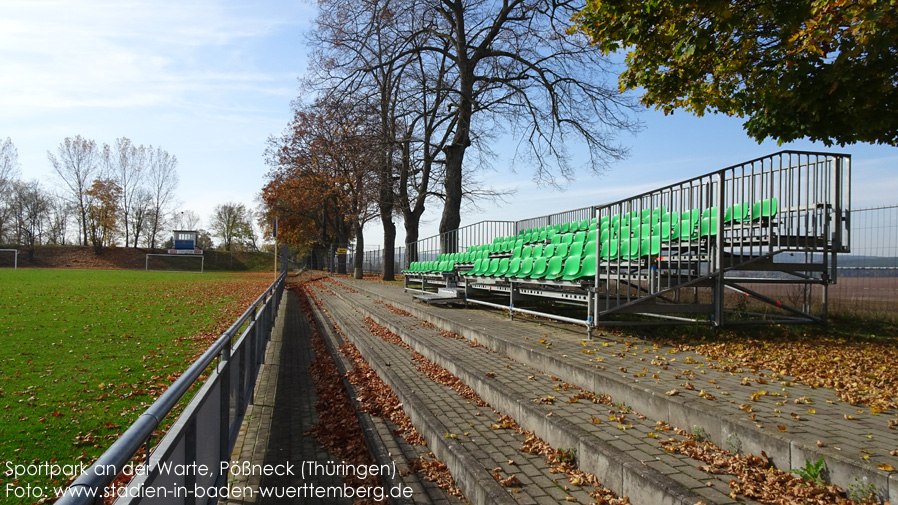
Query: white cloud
<point x="99" y="53"/>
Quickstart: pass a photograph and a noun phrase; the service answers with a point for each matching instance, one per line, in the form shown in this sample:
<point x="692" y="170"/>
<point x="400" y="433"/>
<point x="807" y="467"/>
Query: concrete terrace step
<point x="640" y="373"/>
<point x="476" y="450"/>
<point x="610" y="443"/>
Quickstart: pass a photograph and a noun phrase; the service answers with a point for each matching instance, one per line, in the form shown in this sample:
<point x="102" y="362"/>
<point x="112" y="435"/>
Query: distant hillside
<point x="120" y="258"/>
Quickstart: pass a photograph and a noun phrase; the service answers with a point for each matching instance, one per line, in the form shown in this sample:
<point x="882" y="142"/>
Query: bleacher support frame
<point x="778" y="219"/>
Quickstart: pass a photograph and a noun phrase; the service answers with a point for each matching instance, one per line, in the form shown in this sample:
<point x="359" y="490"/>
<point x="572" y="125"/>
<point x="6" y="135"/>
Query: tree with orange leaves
<point x="102" y="213"/>
<point x="321" y="186"/>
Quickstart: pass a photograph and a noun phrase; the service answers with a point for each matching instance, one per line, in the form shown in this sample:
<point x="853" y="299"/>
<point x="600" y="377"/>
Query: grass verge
<point x="84" y="352"/>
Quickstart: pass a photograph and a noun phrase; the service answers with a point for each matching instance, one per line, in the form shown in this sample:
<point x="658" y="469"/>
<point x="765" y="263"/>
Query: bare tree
<point x="9" y="173"/>
<point x="125" y="163"/>
<point x="186" y="220"/>
<point x="516" y="67"/>
<point x="30" y="210"/>
<point x="9" y="164"/>
<point x="231" y="222"/>
<point x="161" y="181"/>
<point x="141" y="212"/>
<point x="60" y="214"/>
<point x="76" y="166"/>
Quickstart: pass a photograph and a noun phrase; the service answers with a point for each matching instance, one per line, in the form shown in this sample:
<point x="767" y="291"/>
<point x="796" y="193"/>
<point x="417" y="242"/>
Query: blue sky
<point x="210" y="80"/>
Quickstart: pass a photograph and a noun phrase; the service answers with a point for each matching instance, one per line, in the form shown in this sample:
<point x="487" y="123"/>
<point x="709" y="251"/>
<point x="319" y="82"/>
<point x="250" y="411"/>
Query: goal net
<point x="9" y="258"/>
<point x="192" y="263"/>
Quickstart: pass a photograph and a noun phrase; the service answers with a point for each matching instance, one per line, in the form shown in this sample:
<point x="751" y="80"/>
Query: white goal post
<point x="180" y="258"/>
<point x="15" y="261"/>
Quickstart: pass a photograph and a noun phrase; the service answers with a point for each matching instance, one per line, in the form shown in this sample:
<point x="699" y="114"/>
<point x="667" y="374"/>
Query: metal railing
<point x="206" y="430"/>
<point x="483" y="232"/>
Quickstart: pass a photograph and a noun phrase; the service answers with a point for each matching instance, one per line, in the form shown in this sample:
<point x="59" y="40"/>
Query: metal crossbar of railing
<point x="206" y="430"/>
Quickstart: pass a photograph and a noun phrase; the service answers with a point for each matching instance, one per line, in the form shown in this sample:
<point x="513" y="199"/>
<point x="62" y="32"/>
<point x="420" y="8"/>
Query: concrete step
<point x="458" y="430"/>
<point x="384" y="443"/>
<point x="786" y="423"/>
<point x="618" y="446"/>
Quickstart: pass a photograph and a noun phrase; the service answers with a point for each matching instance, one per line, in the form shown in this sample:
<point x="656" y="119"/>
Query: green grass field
<point x="84" y="352"/>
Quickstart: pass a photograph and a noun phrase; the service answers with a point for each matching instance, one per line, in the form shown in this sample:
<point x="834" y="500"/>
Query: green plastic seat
<point x="712" y="210"/>
<point x="494" y="266"/>
<point x="584" y="225"/>
<point x="526" y="252"/>
<point x="538" y="250"/>
<point x="554" y="269"/>
<point x="509" y="244"/>
<point x="571" y="268"/>
<point x="565" y="227"/>
<point x="503" y="267"/>
<point x="670" y="231"/>
<point x="542" y="235"/>
<point x="526" y="268"/>
<point x="517" y="251"/>
<point x="610" y="250"/>
<point x="556" y="239"/>
<point x="625" y="232"/>
<point x="513" y="267"/>
<point x="687" y="230"/>
<point x="588" y="267"/>
<point x="575" y="249"/>
<point x="765" y="209"/>
<point x="580" y="236"/>
<point x="539" y="268"/>
<point x="629" y="248"/>
<point x="737" y="213"/>
<point x="590" y="248"/>
<point x="707" y="227"/>
<point x="477" y="266"/>
<point x="567" y="238"/>
<point x="592" y="235"/>
<point x="472" y="248"/>
<point x="650" y="246"/>
<point x="561" y="250"/>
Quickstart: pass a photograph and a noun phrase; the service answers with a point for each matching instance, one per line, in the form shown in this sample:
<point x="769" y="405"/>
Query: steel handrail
<point x="98" y="476"/>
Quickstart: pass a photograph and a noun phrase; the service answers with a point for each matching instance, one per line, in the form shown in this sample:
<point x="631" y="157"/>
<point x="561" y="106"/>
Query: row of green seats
<point x="554" y="268"/>
<point x="426" y="267"/>
<point x="645" y="230"/>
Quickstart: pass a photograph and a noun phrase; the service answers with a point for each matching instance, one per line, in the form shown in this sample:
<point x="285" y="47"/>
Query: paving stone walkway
<point x="283" y="410"/>
<point x="766" y="411"/>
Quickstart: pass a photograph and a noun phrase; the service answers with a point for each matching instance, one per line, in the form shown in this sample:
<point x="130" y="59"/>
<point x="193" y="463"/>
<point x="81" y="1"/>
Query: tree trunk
<point x="412" y="223"/>
<point x="452" y="208"/>
<point x="359" y="258"/>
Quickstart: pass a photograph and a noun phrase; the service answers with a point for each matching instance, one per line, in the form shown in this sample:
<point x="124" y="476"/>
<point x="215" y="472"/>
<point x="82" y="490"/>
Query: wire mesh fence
<point x="867" y="281"/>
